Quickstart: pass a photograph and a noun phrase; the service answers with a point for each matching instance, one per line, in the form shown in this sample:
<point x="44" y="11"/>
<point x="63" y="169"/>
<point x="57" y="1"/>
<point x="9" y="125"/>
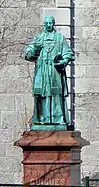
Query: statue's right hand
<point x="28" y="55"/>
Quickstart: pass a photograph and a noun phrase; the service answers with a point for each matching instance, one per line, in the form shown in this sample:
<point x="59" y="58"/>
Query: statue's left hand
<point x="65" y="62"/>
<point x="60" y="62"/>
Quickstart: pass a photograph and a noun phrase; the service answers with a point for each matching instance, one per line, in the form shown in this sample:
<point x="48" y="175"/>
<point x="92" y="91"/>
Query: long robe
<point x="49" y="84"/>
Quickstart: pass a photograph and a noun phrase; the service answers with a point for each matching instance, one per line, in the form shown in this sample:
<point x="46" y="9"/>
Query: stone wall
<point x="20" y="20"/>
<point x="87" y="82"/>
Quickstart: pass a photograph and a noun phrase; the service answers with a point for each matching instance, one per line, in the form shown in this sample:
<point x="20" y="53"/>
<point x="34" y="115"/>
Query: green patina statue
<point x="51" y="54"/>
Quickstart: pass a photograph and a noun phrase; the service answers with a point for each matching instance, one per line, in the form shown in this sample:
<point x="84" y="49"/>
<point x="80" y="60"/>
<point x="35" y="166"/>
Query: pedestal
<point x="51" y="157"/>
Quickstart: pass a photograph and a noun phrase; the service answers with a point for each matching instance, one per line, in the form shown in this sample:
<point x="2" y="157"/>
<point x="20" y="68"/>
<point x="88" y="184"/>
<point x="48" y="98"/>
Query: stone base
<point x="49" y="127"/>
<point x="51" y="157"/>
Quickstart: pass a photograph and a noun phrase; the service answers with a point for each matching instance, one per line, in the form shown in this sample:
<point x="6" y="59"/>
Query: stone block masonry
<point x="62" y="3"/>
<point x="19" y="21"/>
<point x="62" y="16"/>
<point x="87" y="89"/>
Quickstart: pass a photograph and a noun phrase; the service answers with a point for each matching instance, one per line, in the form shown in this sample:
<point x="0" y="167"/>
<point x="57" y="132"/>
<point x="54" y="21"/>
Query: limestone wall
<point x="87" y="82"/>
<point x="19" y="21"/>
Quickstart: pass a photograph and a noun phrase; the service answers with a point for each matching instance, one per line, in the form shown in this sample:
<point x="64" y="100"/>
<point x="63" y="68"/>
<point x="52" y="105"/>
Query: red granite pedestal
<point x="51" y="158"/>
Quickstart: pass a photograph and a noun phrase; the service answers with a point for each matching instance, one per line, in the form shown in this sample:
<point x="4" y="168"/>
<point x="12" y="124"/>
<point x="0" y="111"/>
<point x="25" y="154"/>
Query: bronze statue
<point x="52" y="54"/>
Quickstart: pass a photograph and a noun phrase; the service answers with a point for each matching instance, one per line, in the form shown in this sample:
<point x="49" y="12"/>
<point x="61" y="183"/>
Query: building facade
<point x="20" y="21"/>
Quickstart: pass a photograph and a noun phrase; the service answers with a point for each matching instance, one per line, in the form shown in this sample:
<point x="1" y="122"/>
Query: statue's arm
<point x="66" y="53"/>
<point x="30" y="50"/>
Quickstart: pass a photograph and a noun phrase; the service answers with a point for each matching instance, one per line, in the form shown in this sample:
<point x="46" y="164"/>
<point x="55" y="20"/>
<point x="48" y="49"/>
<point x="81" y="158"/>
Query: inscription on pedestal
<point x="52" y="158"/>
<point x="47" y="174"/>
<point x="50" y="181"/>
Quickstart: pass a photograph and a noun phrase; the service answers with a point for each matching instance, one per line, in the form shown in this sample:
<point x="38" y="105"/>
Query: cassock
<point x="51" y="54"/>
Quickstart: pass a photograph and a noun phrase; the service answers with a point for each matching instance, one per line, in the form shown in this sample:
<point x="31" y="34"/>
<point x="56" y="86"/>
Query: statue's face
<point x="49" y="25"/>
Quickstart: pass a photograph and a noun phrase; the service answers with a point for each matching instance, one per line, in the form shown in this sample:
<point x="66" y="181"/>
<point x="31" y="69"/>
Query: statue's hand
<point x="28" y="55"/>
<point x="65" y="62"/>
<point x="60" y="62"/>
